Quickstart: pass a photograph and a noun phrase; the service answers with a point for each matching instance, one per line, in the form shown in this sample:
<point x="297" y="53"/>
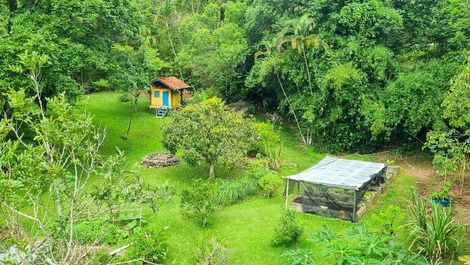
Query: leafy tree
<point x="208" y="132"/>
<point x="200" y="201"/>
<point x="299" y="34"/>
<point x="450" y="140"/>
<point x="46" y="162"/>
<point x="212" y="50"/>
<point x="131" y="71"/>
<point x="76" y="36"/>
<point x="267" y="63"/>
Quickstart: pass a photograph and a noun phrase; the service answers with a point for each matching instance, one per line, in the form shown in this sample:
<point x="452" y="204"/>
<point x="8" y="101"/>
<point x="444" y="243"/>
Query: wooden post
<point x="354" y="207"/>
<point x="287" y="192"/>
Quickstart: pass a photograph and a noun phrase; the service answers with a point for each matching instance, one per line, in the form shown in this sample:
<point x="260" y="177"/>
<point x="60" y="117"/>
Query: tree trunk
<point x="308" y="71"/>
<point x="212" y="170"/>
<point x="293" y="111"/>
<point x="131" y="114"/>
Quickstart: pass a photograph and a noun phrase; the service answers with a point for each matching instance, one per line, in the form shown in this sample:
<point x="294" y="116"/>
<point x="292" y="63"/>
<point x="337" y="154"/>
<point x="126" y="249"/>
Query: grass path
<point x="246" y="228"/>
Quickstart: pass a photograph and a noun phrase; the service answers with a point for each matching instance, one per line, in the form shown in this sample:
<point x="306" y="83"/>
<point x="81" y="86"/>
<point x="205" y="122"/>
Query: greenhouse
<point x="336" y="187"/>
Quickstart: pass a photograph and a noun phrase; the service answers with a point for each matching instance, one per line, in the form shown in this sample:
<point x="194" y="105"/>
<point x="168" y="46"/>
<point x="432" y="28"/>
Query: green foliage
<point x="233" y="191"/>
<point x="132" y="69"/>
<point x="123" y="185"/>
<point x="300" y="256"/>
<point x="149" y="245"/>
<point x="443" y="193"/>
<point x="371" y="19"/>
<point x="288" y="230"/>
<point x="433" y="231"/>
<point x="268" y="143"/>
<point x="269" y="183"/>
<point x="357" y="246"/>
<point x="450" y="141"/>
<point x="98" y="232"/>
<point x="76" y="36"/>
<point x="47" y="161"/>
<point x="208" y="132"/>
<point x="100" y="85"/>
<point x="210" y="252"/>
<point x="390" y="219"/>
<point x="126" y="97"/>
<point x="200" y="201"/>
<point x="212" y="49"/>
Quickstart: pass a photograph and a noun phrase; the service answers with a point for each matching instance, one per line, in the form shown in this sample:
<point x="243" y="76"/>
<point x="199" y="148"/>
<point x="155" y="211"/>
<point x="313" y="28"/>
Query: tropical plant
<point x="208" y="132"/>
<point x="299" y="34"/>
<point x="357" y="246"/>
<point x="288" y="230"/>
<point x="433" y="232"/>
<point x="269" y="63"/>
<point x="300" y="256"/>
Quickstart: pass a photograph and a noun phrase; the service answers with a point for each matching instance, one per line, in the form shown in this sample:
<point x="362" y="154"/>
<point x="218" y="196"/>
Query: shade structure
<point x="335" y="187"/>
<point x="340" y="173"/>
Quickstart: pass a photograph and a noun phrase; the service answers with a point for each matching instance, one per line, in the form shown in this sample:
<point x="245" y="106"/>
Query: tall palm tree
<point x="299" y="34"/>
<point x="269" y="64"/>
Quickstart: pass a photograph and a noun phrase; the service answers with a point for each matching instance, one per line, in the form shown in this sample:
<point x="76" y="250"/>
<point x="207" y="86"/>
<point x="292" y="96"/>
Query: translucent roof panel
<point x="341" y="173"/>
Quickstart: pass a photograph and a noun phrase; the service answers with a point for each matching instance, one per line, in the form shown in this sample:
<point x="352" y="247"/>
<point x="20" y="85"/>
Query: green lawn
<point x="246" y="228"/>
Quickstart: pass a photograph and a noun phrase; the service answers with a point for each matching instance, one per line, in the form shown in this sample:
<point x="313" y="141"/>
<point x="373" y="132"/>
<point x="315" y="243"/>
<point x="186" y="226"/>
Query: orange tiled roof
<point x="172" y="82"/>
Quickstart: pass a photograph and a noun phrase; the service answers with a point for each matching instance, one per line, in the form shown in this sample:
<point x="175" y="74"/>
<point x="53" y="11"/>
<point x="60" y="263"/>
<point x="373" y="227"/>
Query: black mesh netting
<point x="332" y="201"/>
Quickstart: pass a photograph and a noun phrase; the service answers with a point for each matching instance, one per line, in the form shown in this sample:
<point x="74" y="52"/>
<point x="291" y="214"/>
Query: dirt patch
<point x="159" y="160"/>
<point x="428" y="182"/>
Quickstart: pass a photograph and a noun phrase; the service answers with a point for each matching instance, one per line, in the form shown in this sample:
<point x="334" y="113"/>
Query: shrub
<point x="288" y="230"/>
<point x="268" y="143"/>
<point x="126" y="97"/>
<point x="269" y="183"/>
<point x="99" y="85"/>
<point x="232" y="191"/>
<point x="210" y="252"/>
<point x="434" y="232"/>
<point x="257" y="170"/>
<point x="149" y="245"/>
<point x="200" y="200"/>
<point x="97" y="231"/>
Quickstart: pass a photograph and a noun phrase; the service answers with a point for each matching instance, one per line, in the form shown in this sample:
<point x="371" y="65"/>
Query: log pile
<point x="159" y="160"/>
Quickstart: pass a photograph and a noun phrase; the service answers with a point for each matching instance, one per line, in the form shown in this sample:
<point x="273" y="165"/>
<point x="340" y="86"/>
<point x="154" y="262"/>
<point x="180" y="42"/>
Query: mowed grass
<point x="246" y="228"/>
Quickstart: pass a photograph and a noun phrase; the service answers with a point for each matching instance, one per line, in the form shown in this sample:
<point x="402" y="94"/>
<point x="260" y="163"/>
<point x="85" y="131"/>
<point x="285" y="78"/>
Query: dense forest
<point x="275" y="86"/>
<point x="352" y="75"/>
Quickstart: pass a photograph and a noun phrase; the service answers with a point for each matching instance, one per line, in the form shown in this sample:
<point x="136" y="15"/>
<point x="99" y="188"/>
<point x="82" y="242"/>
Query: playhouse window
<point x="156" y="94"/>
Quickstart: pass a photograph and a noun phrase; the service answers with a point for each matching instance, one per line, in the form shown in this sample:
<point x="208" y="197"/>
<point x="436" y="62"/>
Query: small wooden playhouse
<point x="168" y="91"/>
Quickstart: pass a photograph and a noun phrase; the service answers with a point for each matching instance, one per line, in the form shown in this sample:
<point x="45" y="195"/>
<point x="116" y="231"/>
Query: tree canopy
<point x="352" y="75"/>
<point x="208" y="132"/>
